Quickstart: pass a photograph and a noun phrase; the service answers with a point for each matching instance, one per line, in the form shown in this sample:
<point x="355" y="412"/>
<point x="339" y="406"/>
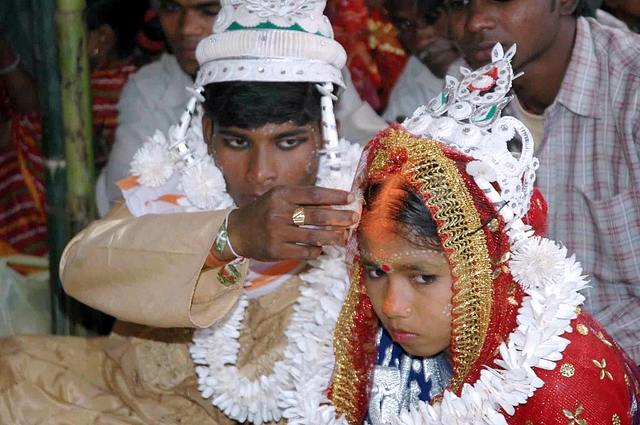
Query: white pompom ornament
<point x="153" y="163"/>
<point x="537" y="263"/>
<point x="205" y="187"/>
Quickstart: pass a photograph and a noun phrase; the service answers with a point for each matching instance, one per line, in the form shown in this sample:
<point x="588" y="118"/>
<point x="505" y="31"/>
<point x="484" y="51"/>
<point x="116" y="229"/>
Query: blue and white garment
<point x="401" y="380"/>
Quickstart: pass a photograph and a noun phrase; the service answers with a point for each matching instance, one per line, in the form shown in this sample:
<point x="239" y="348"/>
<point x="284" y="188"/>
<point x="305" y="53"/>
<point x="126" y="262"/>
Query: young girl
<point x="460" y="311"/>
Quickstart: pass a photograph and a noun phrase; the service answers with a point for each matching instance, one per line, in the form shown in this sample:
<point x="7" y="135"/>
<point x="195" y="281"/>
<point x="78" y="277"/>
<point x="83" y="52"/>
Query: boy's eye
<point x="402" y="24"/>
<point x="169" y="6"/>
<point x="457" y="4"/>
<point x="211" y="11"/>
<point x="290" y="143"/>
<point x="236" y="143"/>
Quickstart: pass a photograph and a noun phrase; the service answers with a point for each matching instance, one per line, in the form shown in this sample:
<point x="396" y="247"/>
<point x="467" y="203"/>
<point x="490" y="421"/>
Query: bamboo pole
<point x="76" y="112"/>
<point x="78" y="133"/>
<point x="53" y="153"/>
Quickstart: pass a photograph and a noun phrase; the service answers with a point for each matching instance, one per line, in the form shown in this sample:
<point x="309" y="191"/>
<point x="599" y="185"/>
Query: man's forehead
<point x="271" y="130"/>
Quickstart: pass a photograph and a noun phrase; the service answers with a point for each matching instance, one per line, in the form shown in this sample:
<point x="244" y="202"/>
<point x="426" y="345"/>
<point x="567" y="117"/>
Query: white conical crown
<point x="271" y="40"/>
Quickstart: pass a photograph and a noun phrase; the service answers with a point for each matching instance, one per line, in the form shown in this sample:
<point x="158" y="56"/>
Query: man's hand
<point x="264" y="230"/>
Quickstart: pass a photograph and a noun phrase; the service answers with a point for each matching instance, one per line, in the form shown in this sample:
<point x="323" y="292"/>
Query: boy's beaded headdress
<point x="252" y="40"/>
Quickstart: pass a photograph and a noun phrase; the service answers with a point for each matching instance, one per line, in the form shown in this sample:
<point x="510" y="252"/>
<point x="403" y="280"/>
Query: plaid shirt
<point x="590" y="173"/>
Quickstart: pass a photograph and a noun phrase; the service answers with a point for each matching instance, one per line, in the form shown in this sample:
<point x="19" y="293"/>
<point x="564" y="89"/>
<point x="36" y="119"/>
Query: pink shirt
<point x="590" y="173"/>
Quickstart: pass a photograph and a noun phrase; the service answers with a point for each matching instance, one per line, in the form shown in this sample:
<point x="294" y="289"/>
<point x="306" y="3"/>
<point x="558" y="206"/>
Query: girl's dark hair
<point x="399" y="201"/>
<point x="125" y="17"/>
<point x="251" y="104"/>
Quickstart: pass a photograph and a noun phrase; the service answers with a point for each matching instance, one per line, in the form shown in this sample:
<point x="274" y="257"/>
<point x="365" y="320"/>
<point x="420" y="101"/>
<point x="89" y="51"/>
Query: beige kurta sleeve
<point x="150" y="269"/>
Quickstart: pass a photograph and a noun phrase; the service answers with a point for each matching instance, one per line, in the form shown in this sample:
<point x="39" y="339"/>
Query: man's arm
<point x="149" y="270"/>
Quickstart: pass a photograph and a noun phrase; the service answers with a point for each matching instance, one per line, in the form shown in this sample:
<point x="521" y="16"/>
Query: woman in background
<point x="114" y="55"/>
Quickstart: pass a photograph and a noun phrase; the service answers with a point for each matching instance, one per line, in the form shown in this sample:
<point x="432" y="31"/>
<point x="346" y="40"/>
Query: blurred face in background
<point x="185" y="23"/>
<point x="423" y="30"/>
<point x="534" y="25"/>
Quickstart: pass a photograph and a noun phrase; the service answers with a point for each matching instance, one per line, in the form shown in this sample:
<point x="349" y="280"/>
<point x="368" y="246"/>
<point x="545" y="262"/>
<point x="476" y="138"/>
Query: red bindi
<point x="386" y="268"/>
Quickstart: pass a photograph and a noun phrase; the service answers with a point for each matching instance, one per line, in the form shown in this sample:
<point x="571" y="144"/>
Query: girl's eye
<point x="375" y="273"/>
<point x="424" y="279"/>
<point x="236" y="143"/>
<point x="290" y="143"/>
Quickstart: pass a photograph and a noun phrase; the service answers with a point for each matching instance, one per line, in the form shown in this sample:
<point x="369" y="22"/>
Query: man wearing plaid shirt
<point x="580" y="95"/>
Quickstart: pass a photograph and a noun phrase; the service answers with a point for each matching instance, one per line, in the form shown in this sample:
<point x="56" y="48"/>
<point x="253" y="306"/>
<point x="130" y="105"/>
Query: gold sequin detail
<point x="603" y="339"/>
<point x="494" y="225"/>
<point x="567" y="370"/>
<point x="512" y="301"/>
<point x="578" y="310"/>
<point x="346" y="375"/>
<point x="528" y="423"/>
<point x="626" y="380"/>
<point x="575" y="420"/>
<point x="615" y="420"/>
<point x="582" y="329"/>
<point x="453" y="206"/>
<point x="512" y="288"/>
<point x="379" y="162"/>
<point x="602" y="365"/>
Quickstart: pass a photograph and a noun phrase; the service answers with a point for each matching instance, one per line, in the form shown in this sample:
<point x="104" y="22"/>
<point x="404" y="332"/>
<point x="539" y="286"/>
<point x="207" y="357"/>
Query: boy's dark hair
<point x="250" y="104"/>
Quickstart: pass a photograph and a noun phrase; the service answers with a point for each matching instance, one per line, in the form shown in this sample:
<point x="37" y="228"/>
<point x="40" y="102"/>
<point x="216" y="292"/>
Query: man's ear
<point x="567" y="7"/>
<point x="207" y="132"/>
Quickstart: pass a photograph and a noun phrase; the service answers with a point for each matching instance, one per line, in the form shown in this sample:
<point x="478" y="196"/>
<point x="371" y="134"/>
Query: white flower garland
<point x="296" y="388"/>
<point x="546" y="314"/>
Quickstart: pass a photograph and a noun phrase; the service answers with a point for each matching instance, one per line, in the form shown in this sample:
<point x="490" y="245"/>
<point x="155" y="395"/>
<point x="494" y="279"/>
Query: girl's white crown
<point x="467" y="116"/>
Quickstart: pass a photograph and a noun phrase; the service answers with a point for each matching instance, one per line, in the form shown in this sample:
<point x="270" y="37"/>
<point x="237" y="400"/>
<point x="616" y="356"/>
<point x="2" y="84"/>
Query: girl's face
<point x="409" y="288"/>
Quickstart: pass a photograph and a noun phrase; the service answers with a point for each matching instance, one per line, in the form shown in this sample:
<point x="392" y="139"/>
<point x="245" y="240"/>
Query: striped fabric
<point x="23" y="223"/>
<point x="590" y="173"/>
<point x="106" y="85"/>
<point x="22" y="194"/>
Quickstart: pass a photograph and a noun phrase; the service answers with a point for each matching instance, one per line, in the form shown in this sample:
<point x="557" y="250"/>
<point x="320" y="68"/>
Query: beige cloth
<point x="139" y="374"/>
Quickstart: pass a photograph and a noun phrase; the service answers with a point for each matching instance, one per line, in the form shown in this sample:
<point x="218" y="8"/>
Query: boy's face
<point x="424" y="33"/>
<point x="185" y="23"/>
<point x="477" y="25"/>
<point x="256" y="160"/>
